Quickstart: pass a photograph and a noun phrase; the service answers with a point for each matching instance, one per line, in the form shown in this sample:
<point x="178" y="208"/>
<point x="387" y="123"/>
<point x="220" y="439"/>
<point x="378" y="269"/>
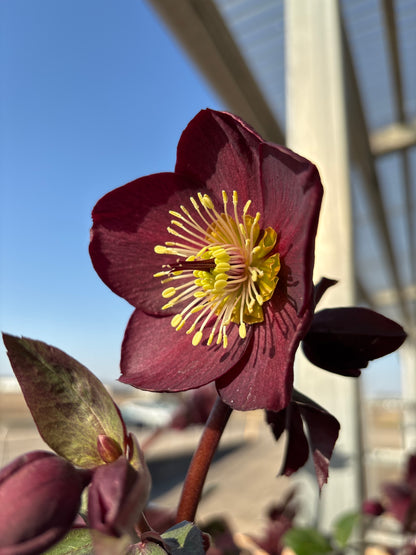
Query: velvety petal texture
<point x="39" y="497"/>
<point x="344" y="340"/>
<point x="322" y="427"/>
<point x="218" y="155"/>
<point x="117" y="496"/>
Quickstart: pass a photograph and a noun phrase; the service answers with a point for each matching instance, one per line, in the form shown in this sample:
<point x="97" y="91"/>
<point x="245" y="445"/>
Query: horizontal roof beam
<point x="397" y="136"/>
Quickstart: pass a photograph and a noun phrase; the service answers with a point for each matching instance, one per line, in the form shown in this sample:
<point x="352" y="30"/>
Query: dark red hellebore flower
<point x="217" y="259"/>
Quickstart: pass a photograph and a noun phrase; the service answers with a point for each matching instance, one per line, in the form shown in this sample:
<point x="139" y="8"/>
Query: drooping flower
<point x="217" y="259"/>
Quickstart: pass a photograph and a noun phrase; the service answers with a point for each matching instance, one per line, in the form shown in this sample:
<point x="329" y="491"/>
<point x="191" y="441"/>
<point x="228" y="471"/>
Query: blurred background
<point x="96" y="93"/>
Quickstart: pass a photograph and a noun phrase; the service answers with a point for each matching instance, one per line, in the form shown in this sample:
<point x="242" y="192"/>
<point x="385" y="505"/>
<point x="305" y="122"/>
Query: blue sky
<point x="93" y="94"/>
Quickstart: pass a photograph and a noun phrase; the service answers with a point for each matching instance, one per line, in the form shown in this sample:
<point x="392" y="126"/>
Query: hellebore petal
<point x="297" y="448"/>
<point x="344" y="340"/>
<point x="222" y="247"/>
<point x="323" y="433"/>
<point x="175" y="368"/>
<point x="323" y="429"/>
<point x="39" y="498"/>
<point x="117" y="496"/>
<point x="221" y="150"/>
<point x="128" y="223"/>
<point x="70" y="406"/>
<point x="321" y="287"/>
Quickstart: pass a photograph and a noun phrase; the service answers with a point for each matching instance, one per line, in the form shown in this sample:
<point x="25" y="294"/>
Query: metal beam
<point x="362" y="155"/>
<point x="200" y="29"/>
<point x="391" y="138"/>
<point x="397" y="81"/>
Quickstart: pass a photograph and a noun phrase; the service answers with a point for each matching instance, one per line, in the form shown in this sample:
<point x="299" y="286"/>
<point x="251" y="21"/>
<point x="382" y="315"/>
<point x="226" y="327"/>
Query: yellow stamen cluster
<point x="223" y="273"/>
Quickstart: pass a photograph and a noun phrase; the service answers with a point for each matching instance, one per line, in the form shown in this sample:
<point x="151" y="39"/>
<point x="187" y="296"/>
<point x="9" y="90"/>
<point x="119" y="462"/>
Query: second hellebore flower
<point x="217" y="259"/>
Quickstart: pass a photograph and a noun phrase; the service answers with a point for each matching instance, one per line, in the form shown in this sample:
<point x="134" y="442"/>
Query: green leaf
<point x="76" y="542"/>
<point x="69" y="405"/>
<point x="306" y="541"/>
<point x="184" y="539"/>
<point x="344" y="526"/>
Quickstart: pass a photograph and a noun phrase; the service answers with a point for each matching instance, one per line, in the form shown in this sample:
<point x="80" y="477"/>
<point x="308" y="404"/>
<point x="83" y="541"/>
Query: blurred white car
<point x="148" y="413"/>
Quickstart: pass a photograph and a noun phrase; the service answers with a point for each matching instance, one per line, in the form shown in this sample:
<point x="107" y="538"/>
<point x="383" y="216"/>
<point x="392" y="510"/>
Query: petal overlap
<point x="220" y="160"/>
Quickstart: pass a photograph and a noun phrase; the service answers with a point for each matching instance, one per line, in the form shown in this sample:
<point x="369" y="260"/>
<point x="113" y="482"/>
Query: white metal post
<point x="317" y="129"/>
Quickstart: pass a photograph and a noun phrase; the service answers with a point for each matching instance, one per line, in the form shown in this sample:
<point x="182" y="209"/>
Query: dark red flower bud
<point x="117" y="496"/>
<point x="39" y="499"/>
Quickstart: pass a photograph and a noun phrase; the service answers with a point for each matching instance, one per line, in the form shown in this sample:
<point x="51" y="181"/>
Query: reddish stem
<point x="201" y="461"/>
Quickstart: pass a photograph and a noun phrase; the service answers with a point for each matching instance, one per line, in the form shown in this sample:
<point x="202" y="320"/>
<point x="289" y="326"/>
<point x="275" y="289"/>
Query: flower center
<point x="224" y="271"/>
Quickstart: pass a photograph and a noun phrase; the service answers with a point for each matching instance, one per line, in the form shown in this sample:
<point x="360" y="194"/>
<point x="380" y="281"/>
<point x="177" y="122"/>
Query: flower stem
<point x="201" y="461"/>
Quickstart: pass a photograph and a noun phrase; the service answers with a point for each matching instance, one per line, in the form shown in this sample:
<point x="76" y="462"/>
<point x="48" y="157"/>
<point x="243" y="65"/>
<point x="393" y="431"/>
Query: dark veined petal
<point x="222" y="151"/>
<point x="127" y="224"/>
<point x="264" y="377"/>
<point x="147" y="365"/>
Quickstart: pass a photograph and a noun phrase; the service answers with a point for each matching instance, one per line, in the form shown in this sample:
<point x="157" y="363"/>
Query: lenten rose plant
<point x="216" y="258"/>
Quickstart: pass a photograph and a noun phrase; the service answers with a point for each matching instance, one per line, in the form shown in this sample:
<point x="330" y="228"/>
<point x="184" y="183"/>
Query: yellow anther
<point x="197" y="308"/>
<point x="259" y="299"/>
<point x="225" y="278"/>
<point x="173" y="232"/>
<point x="160" y="249"/>
<point x="222" y="266"/>
<point x="179" y="224"/>
<point x="169" y="292"/>
<point x="176" y="320"/>
<point x="246" y="207"/>
<point x="197" y="338"/>
<point x="207" y="202"/>
<point x="219" y="284"/>
<point x="191" y="329"/>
